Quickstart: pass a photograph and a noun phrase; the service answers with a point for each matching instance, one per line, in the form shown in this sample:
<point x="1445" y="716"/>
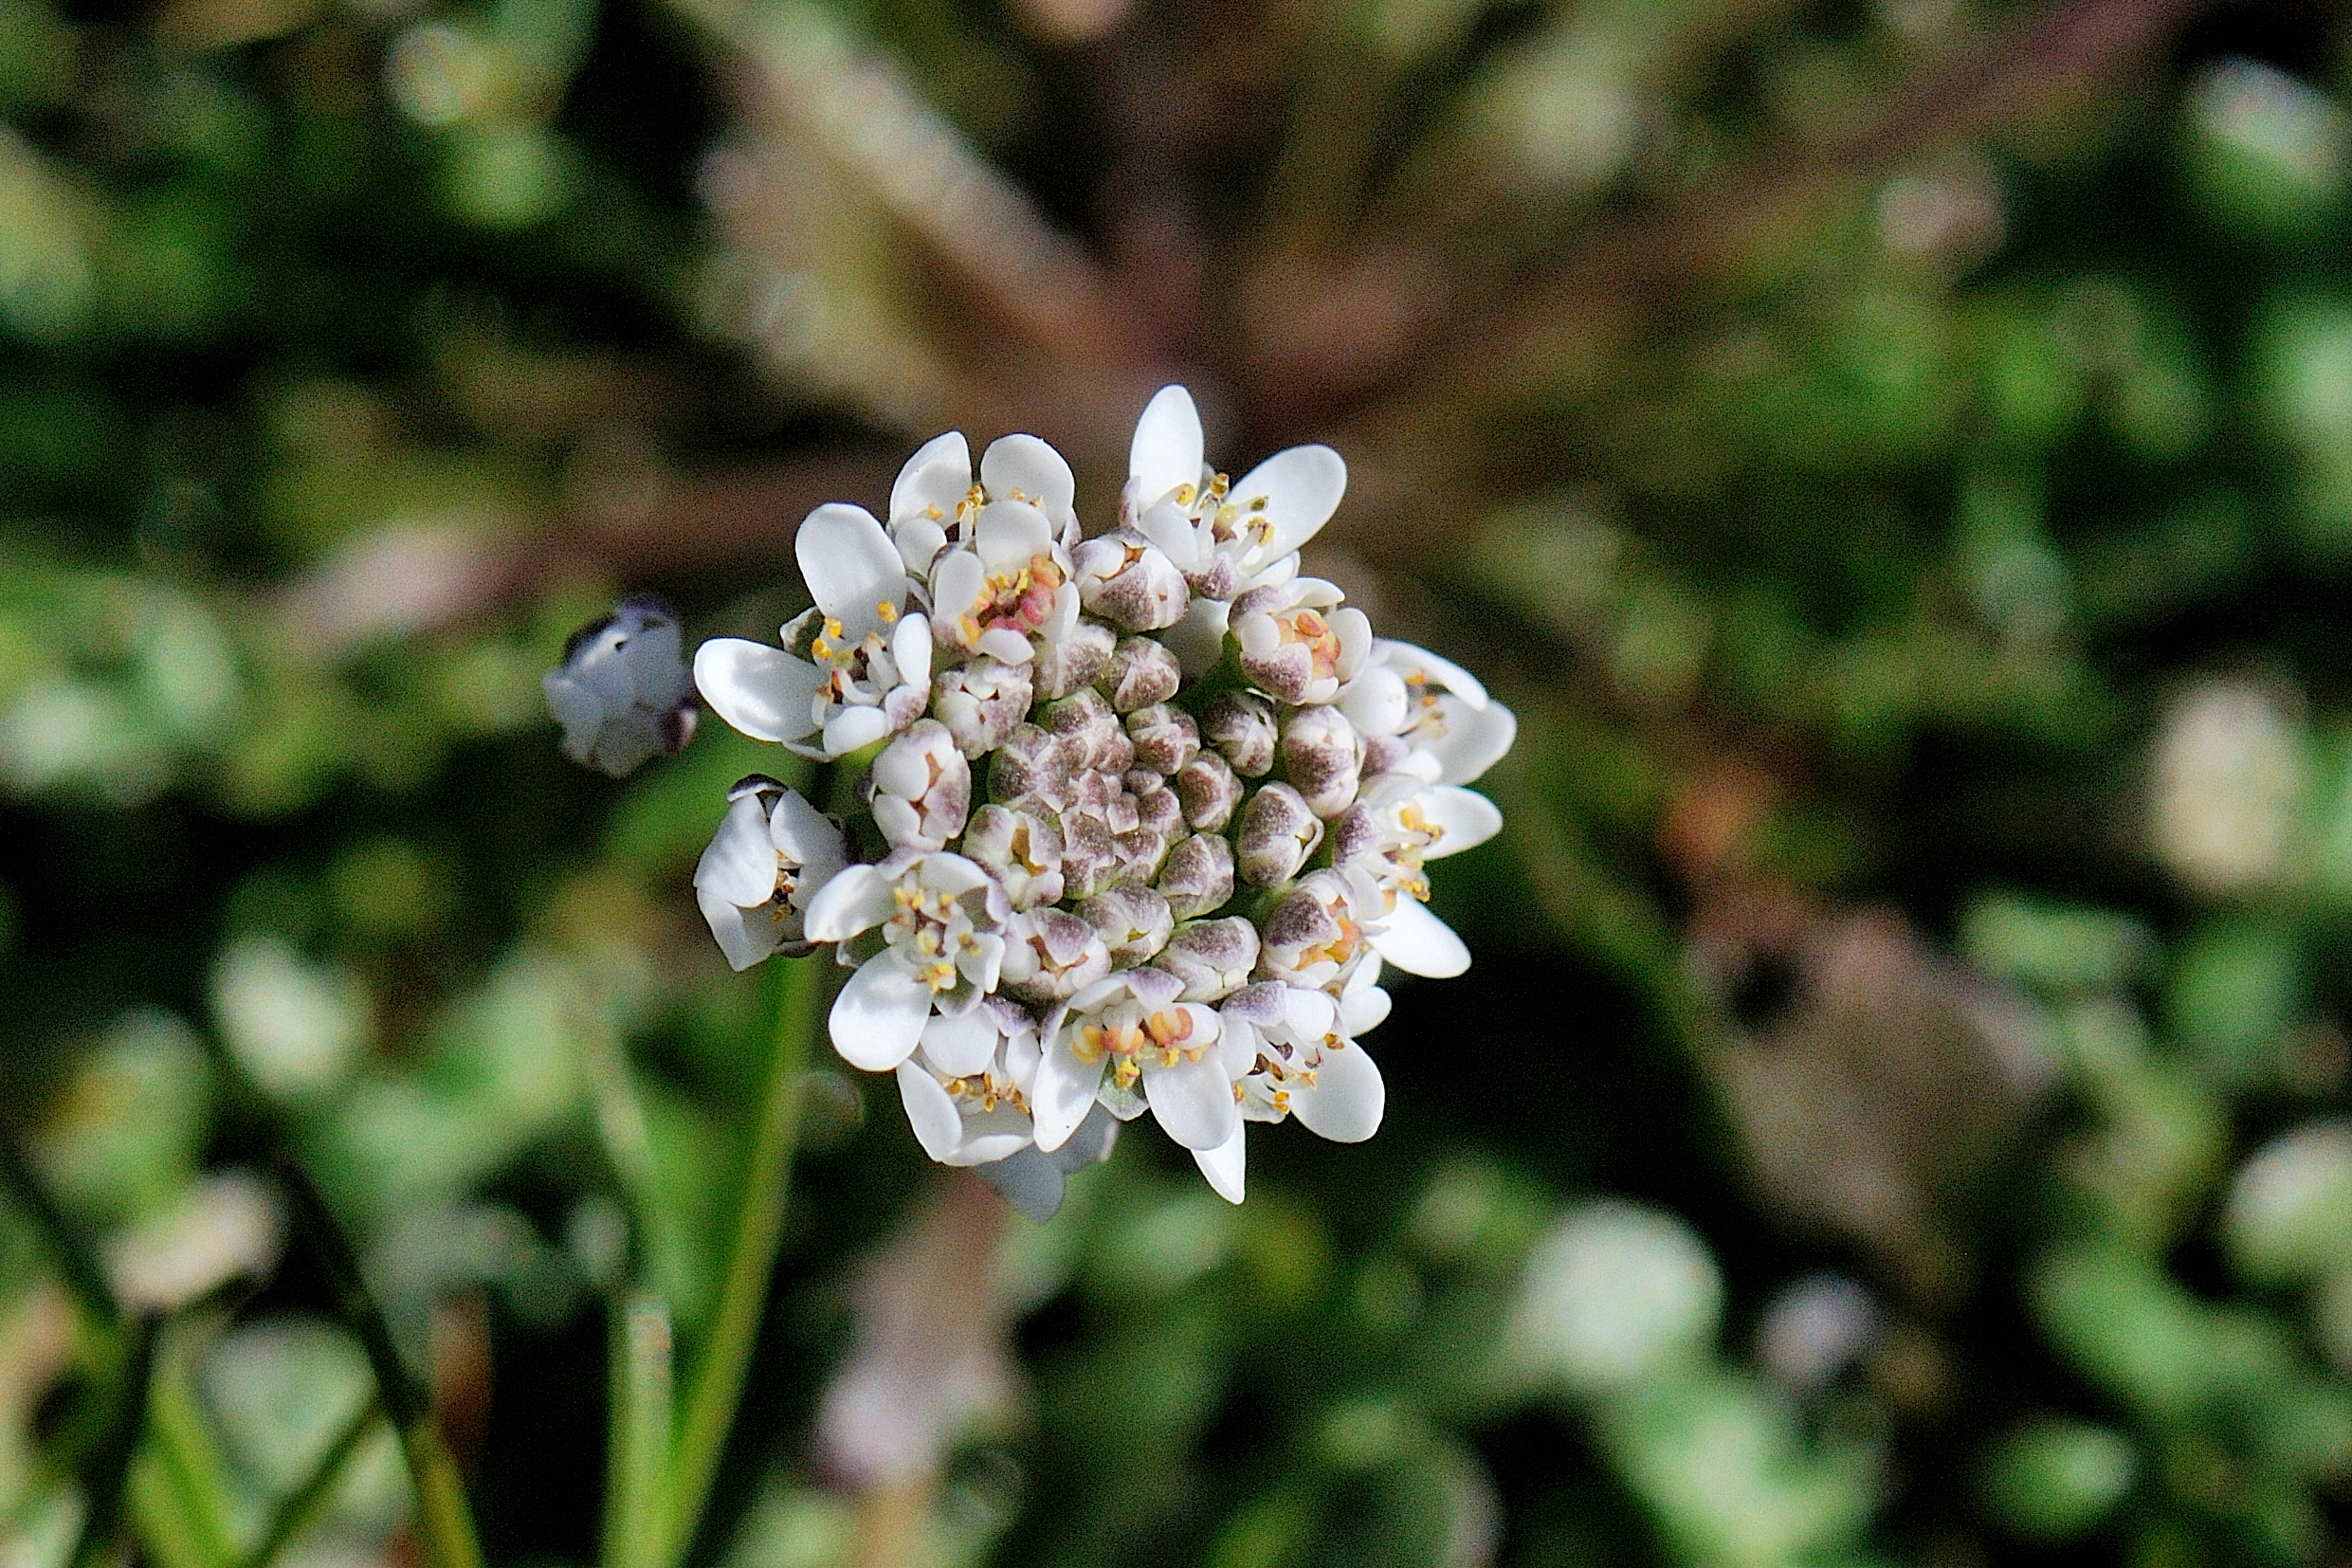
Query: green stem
<point x="84" y="1274"/>
<point x="299" y="1508"/>
<point x="106" y="1478"/>
<point x="444" y="1520"/>
<point x="796" y="993"/>
<point x="180" y="1483"/>
<point x="636" y="1516"/>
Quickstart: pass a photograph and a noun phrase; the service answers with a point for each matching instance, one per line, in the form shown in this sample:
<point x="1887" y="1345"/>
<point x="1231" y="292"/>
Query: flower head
<point x="1148" y="814"/>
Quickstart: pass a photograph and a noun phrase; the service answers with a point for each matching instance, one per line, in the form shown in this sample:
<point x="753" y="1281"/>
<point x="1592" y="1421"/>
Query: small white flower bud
<point x="1090" y="733"/>
<point x="1134" y="923"/>
<point x="1298" y="642"/>
<point x="1051" y="954"/>
<point x="1212" y="958"/>
<point x="624" y="693"/>
<point x="1208" y="790"/>
<point x="981" y="703"/>
<point x="922" y="787"/>
<point x="1022" y="848"/>
<point x="1125" y="579"/>
<point x="1090" y="858"/>
<point x="1199" y="875"/>
<point x="1064" y="665"/>
<point x="1324" y="757"/>
<point x="1165" y="739"/>
<point x="1141" y="673"/>
<point x="1240" y="724"/>
<point x="1278" y="832"/>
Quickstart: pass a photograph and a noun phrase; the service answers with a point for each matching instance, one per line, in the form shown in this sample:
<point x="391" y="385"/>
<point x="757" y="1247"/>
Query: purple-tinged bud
<point x="1165" y="739"/>
<point x="1324" y="757"/>
<point x="1277" y="833"/>
<point x="1312" y="933"/>
<point x="922" y="787"/>
<point x="1385" y="754"/>
<point x="1208" y="790"/>
<point x="1213" y="958"/>
<point x="1298" y="642"/>
<point x="981" y="703"/>
<point x="1090" y="733"/>
<point x="1135" y="923"/>
<point x="1157" y="808"/>
<point x="1050" y="955"/>
<point x="1141" y="673"/>
<point x="1090" y="858"/>
<point x="1198" y="876"/>
<point x="1124" y="578"/>
<point x="1073" y="663"/>
<point x="1032" y="771"/>
<point x="1240" y="724"/>
<point x="1142" y="852"/>
<point x="1022" y="848"/>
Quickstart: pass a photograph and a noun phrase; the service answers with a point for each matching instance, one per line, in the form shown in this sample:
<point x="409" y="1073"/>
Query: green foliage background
<point x="1896" y="458"/>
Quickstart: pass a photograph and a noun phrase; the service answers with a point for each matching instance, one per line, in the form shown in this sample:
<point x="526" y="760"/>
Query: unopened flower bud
<point x="981" y="703"/>
<point x="1240" y="724"/>
<point x="624" y="693"/>
<point x="1157" y="808"/>
<point x="1198" y="876"/>
<point x="922" y="787"/>
<point x="1090" y="858"/>
<point x="1031" y="771"/>
<point x="1052" y="954"/>
<point x="1165" y="739"/>
<point x="1212" y="958"/>
<point x="1324" y="758"/>
<point x="1278" y="832"/>
<point x="1069" y="664"/>
<point x="1385" y="754"/>
<point x="1125" y="579"/>
<point x="1090" y="733"/>
<point x="1141" y="673"/>
<point x="1134" y="923"/>
<point x="1023" y="849"/>
<point x="1210" y="792"/>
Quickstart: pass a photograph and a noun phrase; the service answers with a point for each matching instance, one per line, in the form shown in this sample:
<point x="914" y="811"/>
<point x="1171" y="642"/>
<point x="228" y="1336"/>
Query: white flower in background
<point x="940" y="922"/>
<point x="854" y="668"/>
<point x="771" y="854"/>
<point x="1101" y="889"/>
<point x="623" y="694"/>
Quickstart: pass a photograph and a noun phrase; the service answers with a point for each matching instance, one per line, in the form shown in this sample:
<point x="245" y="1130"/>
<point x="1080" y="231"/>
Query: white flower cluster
<point x="1146" y="814"/>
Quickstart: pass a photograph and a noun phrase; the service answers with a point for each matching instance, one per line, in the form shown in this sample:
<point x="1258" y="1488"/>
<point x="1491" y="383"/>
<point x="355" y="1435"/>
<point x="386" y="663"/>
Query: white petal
<point x="1065" y="1093"/>
<point x="937" y="474"/>
<point x="1167" y="450"/>
<point x="1006" y="646"/>
<point x="858" y="900"/>
<point x="961" y="1047"/>
<point x="1301" y="488"/>
<point x="1474" y="741"/>
<point x="1309" y="1012"/>
<point x="740" y="863"/>
<point x="1193" y="1101"/>
<point x="878" y="1018"/>
<point x="805" y="835"/>
<point x="1171" y="529"/>
<point x="1361" y="1012"/>
<point x="990" y="1136"/>
<point x="1407" y="658"/>
<point x="931" y="1111"/>
<point x="1419" y="942"/>
<point x="851" y="566"/>
<point x="1198" y="640"/>
<point x="910" y="649"/>
<point x="1010" y="534"/>
<point x="575" y="703"/>
<point x="1347" y="1096"/>
<point x="1376" y="702"/>
<point x="854" y="728"/>
<point x="762" y="691"/>
<point x="746" y="937"/>
<point x="1222" y="1165"/>
<point x="1027" y="1179"/>
<point x="955" y="585"/>
<point x="1467" y="819"/>
<point x="953" y="875"/>
<point x="1028" y="466"/>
